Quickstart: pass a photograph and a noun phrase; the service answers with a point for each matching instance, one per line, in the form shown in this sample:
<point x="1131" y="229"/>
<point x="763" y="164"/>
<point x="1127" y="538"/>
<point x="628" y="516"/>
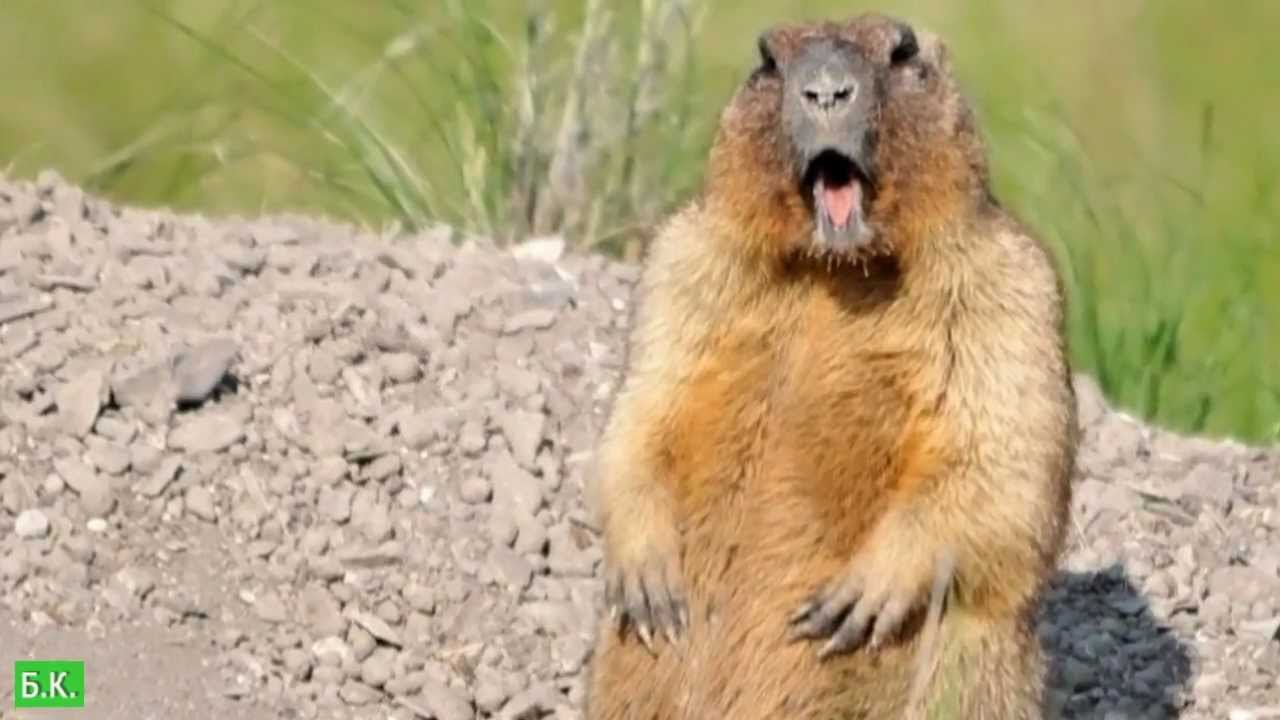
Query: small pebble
<point x="200" y="503"/>
<point x="31" y="525"/>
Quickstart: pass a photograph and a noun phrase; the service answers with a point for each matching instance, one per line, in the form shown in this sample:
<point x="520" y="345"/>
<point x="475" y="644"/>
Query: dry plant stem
<point x="564" y="202"/>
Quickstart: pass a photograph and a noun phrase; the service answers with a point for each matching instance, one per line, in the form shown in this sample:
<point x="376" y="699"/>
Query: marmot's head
<point x="847" y="141"/>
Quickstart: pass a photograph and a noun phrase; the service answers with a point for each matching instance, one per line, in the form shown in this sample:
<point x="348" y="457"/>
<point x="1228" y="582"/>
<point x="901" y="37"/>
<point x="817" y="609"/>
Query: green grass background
<point x="1136" y="136"/>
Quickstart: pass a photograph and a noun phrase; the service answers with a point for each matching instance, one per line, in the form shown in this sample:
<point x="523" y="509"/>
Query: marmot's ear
<point x="777" y="44"/>
<point x="764" y="43"/>
<point x="907" y="46"/>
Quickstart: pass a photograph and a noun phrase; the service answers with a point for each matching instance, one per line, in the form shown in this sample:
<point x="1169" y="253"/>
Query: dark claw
<point x="680" y="615"/>
<point x="649" y="605"/>
<point x="613" y="599"/>
<point x="888" y="620"/>
<point x="670" y="617"/>
<point x="646" y="636"/>
<point x="849" y="635"/>
<point x="660" y="606"/>
<point x="821" y="622"/>
<point x="638" y="610"/>
<point x="822" y="615"/>
<point x="802" y="612"/>
<point x="676" y="600"/>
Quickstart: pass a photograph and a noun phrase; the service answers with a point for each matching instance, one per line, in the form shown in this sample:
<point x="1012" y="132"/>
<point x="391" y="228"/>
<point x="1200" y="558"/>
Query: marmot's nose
<point x="828" y="94"/>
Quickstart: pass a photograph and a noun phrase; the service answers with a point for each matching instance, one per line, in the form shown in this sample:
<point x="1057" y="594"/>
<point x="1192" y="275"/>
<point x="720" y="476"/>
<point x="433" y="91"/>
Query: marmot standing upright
<point x="846" y="384"/>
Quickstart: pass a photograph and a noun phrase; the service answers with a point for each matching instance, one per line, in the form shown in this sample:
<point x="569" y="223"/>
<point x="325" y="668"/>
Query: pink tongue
<point x="839" y="202"/>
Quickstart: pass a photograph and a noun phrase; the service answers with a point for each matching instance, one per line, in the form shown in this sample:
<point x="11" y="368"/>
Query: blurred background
<point x="1131" y="134"/>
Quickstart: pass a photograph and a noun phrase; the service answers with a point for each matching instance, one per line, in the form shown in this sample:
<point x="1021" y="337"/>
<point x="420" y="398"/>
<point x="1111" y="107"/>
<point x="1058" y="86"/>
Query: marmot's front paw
<point x="643" y="586"/>
<point x="886" y="582"/>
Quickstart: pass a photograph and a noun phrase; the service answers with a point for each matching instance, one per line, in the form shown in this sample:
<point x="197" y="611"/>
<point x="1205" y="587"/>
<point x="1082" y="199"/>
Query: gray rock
<point x="362" y="643"/>
<point x="389" y="613"/>
<point x="271" y="608"/>
<point x="320" y="612"/>
<point x="475" y="491"/>
<point x="213" y="432"/>
<point x="1244" y="585"/>
<point x="420" y="598"/>
<point x="324" y="367"/>
<point x="502" y="527"/>
<point x="332" y="651"/>
<point x="13" y="568"/>
<point x="537" y="319"/>
<point x="329" y="471"/>
<point x="1077" y="675"/>
<point x="364" y="556"/>
<point x="1265" y="630"/>
<point x="532" y="703"/>
<point x="375" y="626"/>
<point x="31" y="525"/>
<point x="109" y="458"/>
<point x="333" y="677"/>
<point x="554" y="618"/>
<point x="531" y="538"/>
<point x="137" y="581"/>
<point x="358" y="694"/>
<point x="518" y="382"/>
<point x="200" y="503"/>
<point x="151" y="390"/>
<point x="513" y="485"/>
<point x="336" y="503"/>
<point x="297" y="663"/>
<point x="115" y="429"/>
<point x="490" y="692"/>
<point x="325" y="568"/>
<point x="511" y="568"/>
<point x="377" y="669"/>
<point x="1209" y="483"/>
<point x="566" y="557"/>
<point x="12" y="309"/>
<point x="383" y="468"/>
<point x="95" y="492"/>
<point x="200" y="369"/>
<point x="375" y="523"/>
<point x="418" y="430"/>
<point x="158" y="481"/>
<point x="405" y="685"/>
<point x="472" y="439"/>
<point x="1097" y="496"/>
<point x="442" y="702"/>
<point x="524" y="432"/>
<point x="80" y="401"/>
<point x="401" y="367"/>
<point x="145" y="457"/>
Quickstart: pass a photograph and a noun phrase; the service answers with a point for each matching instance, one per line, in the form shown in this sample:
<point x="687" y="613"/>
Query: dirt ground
<point x="286" y="468"/>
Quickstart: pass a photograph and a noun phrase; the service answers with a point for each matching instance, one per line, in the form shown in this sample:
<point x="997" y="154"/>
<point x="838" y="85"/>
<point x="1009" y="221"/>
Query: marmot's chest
<point x="816" y="406"/>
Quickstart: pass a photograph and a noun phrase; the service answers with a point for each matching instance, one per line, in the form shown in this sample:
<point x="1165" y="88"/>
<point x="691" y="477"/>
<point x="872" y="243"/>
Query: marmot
<point x="846" y="383"/>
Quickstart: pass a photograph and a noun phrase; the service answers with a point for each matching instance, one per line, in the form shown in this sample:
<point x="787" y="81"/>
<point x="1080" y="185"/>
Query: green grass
<point x="1131" y="134"/>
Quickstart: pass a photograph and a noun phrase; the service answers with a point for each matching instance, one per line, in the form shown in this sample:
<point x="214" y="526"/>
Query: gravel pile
<point x="345" y="472"/>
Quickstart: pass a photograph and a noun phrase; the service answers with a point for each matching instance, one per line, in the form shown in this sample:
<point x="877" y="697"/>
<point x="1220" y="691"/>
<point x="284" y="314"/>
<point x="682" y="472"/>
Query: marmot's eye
<point x="767" y="62"/>
<point x="906" y="49"/>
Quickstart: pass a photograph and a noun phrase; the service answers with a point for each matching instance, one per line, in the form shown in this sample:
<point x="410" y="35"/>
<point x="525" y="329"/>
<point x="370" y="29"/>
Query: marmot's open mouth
<point x="839" y="189"/>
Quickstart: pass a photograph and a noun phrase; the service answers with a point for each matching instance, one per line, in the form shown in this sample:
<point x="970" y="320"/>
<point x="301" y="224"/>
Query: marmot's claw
<point x="646" y="636"/>
<point x="819" y="617"/>
<point x="860" y="608"/>
<point x="651" y="601"/>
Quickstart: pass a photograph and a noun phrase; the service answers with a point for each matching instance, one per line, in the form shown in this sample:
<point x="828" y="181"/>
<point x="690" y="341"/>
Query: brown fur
<point x="786" y="422"/>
